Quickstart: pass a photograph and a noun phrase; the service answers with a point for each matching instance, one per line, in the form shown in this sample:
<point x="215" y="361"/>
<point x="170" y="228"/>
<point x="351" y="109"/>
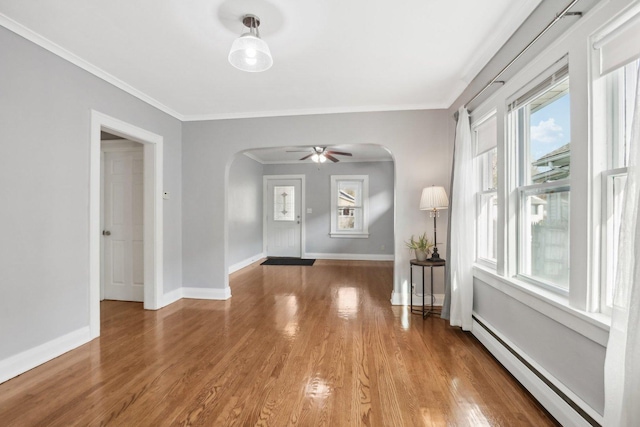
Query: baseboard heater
<point x="588" y="418"/>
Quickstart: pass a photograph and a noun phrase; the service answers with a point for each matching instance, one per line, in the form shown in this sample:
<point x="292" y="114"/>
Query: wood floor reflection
<point x="307" y="346"/>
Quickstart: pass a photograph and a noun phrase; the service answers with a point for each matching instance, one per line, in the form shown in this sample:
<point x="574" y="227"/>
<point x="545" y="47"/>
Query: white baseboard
<point x="206" y="293"/>
<point x="552" y="402"/>
<point x="244" y="263"/>
<point x="350" y="257"/>
<point x="398" y="298"/>
<point x="29" y="359"/>
<point x="171" y="297"/>
<point x="195" y="293"/>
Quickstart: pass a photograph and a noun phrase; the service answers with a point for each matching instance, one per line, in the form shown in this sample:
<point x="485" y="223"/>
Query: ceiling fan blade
<point x="341" y="153"/>
<point x="330" y="157"/>
<point x="297" y="151"/>
<point x="306" y="157"/>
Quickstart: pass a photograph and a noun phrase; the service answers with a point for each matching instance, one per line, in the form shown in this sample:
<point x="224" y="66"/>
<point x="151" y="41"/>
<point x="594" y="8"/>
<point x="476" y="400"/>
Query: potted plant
<point x="422" y="246"/>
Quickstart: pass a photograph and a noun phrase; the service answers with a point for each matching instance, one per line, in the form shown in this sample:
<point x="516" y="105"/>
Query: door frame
<point x="153" y="222"/>
<point x="303" y="210"/>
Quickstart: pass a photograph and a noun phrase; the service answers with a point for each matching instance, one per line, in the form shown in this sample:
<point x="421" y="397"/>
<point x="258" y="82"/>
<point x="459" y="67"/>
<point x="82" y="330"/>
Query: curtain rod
<point x="559" y="16"/>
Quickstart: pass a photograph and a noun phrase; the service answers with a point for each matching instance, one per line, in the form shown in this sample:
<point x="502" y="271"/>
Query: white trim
<point x="63" y="53"/>
<point x="171" y="297"/>
<point x="317" y="111"/>
<point x="348" y="235"/>
<point x="206" y="293"/>
<point x="399" y="298"/>
<point x="350" y="257"/>
<point x="303" y="209"/>
<point x="553" y="403"/>
<point x="153" y="209"/>
<point x="246" y="262"/>
<point x="22" y="362"/>
<point x="593" y="326"/>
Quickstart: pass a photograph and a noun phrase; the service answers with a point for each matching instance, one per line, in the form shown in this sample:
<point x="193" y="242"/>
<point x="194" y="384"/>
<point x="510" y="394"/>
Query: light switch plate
<point x="309" y="210"/>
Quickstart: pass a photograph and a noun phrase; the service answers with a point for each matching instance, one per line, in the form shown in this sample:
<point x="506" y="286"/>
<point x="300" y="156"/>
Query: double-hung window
<point x="540" y="134"/>
<point x="485" y="134"/>
<point x="619" y="100"/>
<point x="350" y="206"/>
<point x="616" y="53"/>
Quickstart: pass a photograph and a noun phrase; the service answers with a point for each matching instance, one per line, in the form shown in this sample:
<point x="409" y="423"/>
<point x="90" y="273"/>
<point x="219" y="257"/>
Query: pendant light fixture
<point x="249" y="52"/>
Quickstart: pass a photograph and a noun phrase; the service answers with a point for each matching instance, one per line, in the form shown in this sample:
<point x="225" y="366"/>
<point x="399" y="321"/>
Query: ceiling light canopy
<point x="249" y="52"/>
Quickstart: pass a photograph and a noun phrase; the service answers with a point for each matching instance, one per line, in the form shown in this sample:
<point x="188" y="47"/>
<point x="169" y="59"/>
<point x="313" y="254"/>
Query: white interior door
<point x="123" y="226"/>
<point x="283" y="217"/>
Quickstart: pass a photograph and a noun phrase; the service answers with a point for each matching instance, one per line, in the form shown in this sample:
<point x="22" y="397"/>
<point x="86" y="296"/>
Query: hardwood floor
<point x="307" y="346"/>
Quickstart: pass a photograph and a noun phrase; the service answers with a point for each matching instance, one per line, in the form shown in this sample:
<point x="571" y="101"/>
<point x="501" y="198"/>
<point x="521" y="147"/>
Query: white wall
<point x="244" y="211"/>
<point x="318" y="190"/>
<point x="418" y="141"/>
<point x="45" y="114"/>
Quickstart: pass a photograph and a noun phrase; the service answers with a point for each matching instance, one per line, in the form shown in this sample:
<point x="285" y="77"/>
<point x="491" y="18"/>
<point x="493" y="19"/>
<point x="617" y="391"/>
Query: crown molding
<point x="313" y="111"/>
<point x="63" y="53"/>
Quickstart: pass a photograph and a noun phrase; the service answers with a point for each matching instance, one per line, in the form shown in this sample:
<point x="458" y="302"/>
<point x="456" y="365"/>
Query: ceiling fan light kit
<point x="321" y="155"/>
<point x="249" y="52"/>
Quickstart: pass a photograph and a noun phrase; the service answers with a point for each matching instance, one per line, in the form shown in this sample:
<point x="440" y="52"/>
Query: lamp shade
<point x="250" y="53"/>
<point x="434" y="198"/>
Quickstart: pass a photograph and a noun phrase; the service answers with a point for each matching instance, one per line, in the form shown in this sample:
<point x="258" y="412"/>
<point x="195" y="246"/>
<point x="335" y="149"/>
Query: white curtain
<point x="461" y="226"/>
<point x="622" y="363"/>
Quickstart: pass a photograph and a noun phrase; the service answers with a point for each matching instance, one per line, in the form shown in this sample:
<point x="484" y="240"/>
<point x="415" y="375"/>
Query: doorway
<point x="152" y="211"/>
<point x="283" y="230"/>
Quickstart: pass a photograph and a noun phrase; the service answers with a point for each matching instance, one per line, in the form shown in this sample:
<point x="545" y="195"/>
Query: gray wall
<point x="45" y="114"/>
<point x="318" y="198"/>
<point x="418" y="141"/>
<point x="577" y="362"/>
<point x="244" y="209"/>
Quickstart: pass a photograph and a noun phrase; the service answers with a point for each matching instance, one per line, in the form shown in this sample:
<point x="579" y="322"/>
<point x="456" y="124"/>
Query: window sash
<point x="525" y="256"/>
<point x="611" y="210"/>
<point x="486" y="230"/>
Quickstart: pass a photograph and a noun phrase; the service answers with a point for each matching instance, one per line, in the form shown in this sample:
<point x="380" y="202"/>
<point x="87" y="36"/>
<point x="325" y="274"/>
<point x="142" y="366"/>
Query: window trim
<point x="492" y="263"/>
<point x="335" y="232"/>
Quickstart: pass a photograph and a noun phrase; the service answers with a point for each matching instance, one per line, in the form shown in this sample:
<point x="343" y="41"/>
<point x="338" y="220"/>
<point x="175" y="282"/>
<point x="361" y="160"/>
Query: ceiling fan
<point x="321" y="154"/>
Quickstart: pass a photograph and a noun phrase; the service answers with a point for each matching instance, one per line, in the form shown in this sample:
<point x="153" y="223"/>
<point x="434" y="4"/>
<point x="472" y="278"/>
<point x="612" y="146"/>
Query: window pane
<point x="283" y="198"/>
<point x="623" y="84"/>
<point x="545" y="237"/>
<point x="488" y="168"/>
<point x="350" y="218"/>
<point x="349" y="193"/>
<point x="617" y="184"/>
<point x="545" y="134"/>
<point x="487" y="222"/>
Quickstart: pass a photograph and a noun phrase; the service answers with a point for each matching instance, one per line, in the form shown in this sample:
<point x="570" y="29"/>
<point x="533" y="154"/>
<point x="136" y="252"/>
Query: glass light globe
<point x="250" y="53"/>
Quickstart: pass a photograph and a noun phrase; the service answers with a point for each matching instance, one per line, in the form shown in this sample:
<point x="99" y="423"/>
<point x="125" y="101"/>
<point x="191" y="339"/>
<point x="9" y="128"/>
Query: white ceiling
<point x="329" y="56"/>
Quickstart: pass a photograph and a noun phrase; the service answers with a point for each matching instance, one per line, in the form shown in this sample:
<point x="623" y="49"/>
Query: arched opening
<point x="248" y="208"/>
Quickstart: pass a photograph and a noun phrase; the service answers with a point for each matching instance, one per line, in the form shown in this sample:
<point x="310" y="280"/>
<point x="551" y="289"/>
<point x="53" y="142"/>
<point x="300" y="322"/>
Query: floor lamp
<point x="433" y="200"/>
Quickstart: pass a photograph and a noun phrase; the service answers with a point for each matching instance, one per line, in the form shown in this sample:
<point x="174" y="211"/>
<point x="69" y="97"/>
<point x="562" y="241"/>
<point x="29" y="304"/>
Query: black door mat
<point x="288" y="261"/>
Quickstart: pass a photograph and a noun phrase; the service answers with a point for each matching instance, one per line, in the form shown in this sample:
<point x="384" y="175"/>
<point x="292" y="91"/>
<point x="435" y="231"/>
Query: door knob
<point x="106" y="233"/>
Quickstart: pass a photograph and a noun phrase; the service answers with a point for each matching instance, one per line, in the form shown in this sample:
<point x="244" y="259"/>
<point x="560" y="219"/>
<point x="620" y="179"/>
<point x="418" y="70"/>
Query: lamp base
<point x="435" y="256"/>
